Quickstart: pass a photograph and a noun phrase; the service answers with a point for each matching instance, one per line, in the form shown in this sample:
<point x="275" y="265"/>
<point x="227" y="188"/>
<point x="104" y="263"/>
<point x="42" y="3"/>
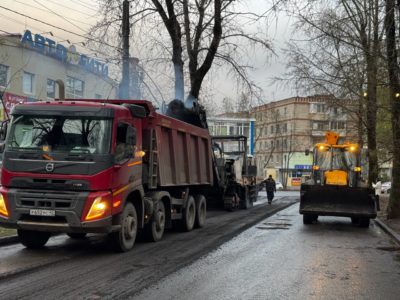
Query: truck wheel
<point x="247" y="202"/>
<point x="33" y="239"/>
<point x="76" y="236"/>
<point x="308" y="219"/>
<point x="364" y="222"/>
<point x="124" y="239"/>
<point x="189" y="215"/>
<point x="154" y="231"/>
<point x="354" y="220"/>
<point x="201" y="211"/>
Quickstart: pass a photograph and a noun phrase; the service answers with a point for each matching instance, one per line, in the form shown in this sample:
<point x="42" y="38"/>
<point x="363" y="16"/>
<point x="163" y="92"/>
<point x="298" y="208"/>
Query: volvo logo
<point x="49" y="167"/>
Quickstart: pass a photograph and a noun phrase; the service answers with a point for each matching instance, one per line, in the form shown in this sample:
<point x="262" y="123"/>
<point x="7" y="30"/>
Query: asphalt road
<point x="280" y="258"/>
<point x="88" y="269"/>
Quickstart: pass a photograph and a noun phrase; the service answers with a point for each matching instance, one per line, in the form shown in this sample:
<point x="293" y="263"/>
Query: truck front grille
<point x="45" y="199"/>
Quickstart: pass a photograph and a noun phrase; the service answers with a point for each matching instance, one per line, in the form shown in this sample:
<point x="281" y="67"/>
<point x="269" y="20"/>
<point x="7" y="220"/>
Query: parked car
<point x="386" y="186"/>
<point x="279" y="186"/>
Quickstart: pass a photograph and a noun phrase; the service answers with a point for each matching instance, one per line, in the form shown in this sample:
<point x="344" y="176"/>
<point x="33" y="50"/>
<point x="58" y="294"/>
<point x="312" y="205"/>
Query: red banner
<point x="10" y="100"/>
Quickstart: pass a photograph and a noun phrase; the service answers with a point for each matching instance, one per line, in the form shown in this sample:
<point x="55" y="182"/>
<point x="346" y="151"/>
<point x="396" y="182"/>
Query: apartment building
<point x="285" y="129"/>
<point x="234" y="124"/>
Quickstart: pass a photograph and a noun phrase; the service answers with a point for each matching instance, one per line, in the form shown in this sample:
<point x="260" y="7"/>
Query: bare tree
<point x="344" y="39"/>
<point x="201" y="33"/>
<point x="394" y="87"/>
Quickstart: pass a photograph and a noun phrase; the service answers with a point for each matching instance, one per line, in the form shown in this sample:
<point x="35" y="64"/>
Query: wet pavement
<point x="88" y="269"/>
<point x="280" y="258"/>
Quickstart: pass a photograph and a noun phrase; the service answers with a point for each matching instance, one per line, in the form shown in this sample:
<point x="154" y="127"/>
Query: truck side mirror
<point x="2" y="146"/>
<point x="3" y="130"/>
<point x="130" y="136"/>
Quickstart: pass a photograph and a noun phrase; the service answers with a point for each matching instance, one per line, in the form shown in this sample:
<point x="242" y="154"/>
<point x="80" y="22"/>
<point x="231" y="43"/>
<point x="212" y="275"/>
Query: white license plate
<point x="42" y="212"/>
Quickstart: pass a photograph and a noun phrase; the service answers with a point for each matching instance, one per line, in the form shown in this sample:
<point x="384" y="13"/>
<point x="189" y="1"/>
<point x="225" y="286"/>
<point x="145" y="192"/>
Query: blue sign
<point x="303" y="167"/>
<point x="49" y="47"/>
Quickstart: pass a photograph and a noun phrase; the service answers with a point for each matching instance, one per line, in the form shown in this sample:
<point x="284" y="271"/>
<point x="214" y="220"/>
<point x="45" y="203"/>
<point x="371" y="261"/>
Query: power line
<point x="59" y="15"/>
<point x="70" y="8"/>
<point x="57" y="27"/>
<point x="38" y="8"/>
<point x="83" y="5"/>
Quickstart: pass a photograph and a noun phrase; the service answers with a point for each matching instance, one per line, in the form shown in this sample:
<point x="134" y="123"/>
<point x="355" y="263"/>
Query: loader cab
<point x="336" y="164"/>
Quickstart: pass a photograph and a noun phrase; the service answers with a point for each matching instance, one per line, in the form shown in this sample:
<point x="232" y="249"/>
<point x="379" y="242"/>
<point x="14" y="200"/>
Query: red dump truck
<point x="86" y="166"/>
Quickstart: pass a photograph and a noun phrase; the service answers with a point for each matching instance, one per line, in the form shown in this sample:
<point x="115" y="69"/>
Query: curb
<point x="8" y="240"/>
<point x="388" y="230"/>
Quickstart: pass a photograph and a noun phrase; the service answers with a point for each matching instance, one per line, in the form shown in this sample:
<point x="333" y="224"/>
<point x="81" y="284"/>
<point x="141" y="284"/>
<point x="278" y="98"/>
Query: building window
<point x="27" y="82"/>
<point x="338" y="125"/>
<point x="285" y="144"/>
<point x="51" y="88"/>
<point x="318" y="125"/>
<point x="317" y="108"/>
<point x="74" y="88"/>
<point x="3" y="75"/>
<point x="272" y="129"/>
<point x="284" y="128"/>
<point x="285" y="111"/>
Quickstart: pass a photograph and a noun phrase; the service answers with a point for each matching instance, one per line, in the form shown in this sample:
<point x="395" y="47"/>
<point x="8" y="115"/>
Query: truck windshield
<point x="335" y="159"/>
<point x="61" y="133"/>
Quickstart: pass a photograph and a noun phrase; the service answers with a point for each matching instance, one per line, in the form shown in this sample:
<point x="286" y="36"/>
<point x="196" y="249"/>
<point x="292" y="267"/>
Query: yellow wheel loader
<point x="335" y="188"/>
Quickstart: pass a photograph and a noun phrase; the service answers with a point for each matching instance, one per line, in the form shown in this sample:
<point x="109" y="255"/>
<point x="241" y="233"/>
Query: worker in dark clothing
<point x="270" y="187"/>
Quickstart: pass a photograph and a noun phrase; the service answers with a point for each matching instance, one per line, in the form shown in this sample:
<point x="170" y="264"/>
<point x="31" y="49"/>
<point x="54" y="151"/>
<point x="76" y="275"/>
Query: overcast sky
<point x="78" y="15"/>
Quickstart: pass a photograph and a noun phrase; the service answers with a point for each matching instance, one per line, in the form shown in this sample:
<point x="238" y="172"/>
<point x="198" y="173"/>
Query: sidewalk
<point x="392" y="227"/>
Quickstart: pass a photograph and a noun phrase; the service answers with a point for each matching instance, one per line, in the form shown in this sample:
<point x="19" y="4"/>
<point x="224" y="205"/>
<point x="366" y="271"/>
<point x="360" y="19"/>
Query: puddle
<point x="277" y="224"/>
<point x="272" y="227"/>
<point x="389" y="248"/>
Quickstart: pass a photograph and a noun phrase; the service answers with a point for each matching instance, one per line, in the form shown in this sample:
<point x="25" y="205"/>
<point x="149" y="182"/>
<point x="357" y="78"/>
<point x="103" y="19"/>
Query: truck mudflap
<point x="338" y="201"/>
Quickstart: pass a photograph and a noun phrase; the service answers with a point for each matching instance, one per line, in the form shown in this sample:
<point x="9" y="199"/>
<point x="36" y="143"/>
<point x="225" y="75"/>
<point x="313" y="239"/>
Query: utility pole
<point x="124" y="85"/>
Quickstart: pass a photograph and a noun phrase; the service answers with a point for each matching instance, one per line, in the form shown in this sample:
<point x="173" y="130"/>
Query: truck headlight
<point x="99" y="208"/>
<point x="3" y="207"/>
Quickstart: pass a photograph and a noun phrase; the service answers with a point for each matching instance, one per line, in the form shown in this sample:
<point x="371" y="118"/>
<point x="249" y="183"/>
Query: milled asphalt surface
<point x="280" y="258"/>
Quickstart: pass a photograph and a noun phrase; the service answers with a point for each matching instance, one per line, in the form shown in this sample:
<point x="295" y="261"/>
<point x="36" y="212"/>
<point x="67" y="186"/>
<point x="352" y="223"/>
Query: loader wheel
<point x="309" y="219"/>
<point x="32" y="239"/>
<point x="354" y="220"/>
<point x="189" y="215"/>
<point x="154" y="231"/>
<point x="364" y="222"/>
<point x="124" y="239"/>
<point x="201" y="211"/>
<point x="76" y="236"/>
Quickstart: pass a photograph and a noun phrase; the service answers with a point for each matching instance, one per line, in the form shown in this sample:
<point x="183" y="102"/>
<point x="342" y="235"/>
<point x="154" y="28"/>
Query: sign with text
<point x="49" y="47"/>
<point x="10" y="100"/>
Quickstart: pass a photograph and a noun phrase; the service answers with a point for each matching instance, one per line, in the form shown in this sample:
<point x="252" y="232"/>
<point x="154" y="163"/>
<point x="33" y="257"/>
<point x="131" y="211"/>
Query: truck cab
<point x="70" y="166"/>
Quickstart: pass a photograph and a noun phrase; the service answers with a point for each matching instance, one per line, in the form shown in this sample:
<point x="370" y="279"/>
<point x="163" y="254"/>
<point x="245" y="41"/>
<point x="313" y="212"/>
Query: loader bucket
<point x="338" y="201"/>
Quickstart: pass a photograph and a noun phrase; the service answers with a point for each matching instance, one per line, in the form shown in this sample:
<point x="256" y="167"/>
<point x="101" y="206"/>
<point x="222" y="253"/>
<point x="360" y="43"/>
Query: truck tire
<point x="189" y="215"/>
<point x="309" y="218"/>
<point x="124" y="239"/>
<point x="355" y="220"/>
<point x="245" y="198"/>
<point x="363" y="222"/>
<point x="201" y="211"/>
<point x="32" y="239"/>
<point x="77" y="236"/>
<point x="154" y="231"/>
